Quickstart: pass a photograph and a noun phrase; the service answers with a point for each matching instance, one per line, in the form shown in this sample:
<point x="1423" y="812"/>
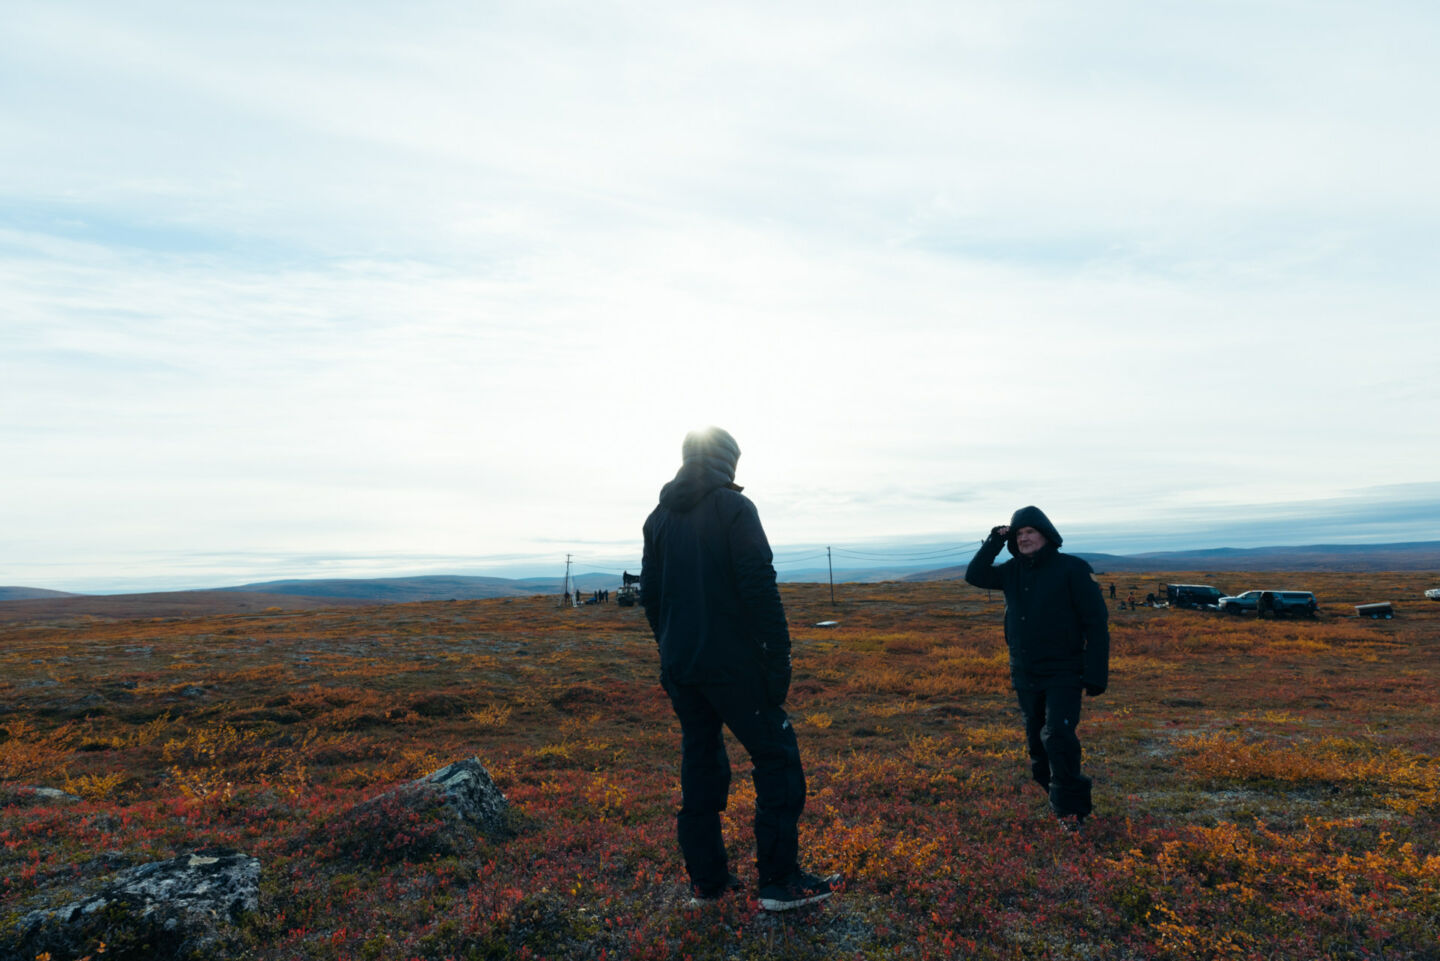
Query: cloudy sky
<point x="313" y="288"/>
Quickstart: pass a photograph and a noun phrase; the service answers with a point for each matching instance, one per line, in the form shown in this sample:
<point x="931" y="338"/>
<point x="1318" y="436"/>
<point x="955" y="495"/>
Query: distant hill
<point x="1418" y="556"/>
<point x="29" y="593"/>
<point x="25" y="603"/>
<point x="162" y="604"/>
<point x="436" y="587"/>
<point x="852" y="575"/>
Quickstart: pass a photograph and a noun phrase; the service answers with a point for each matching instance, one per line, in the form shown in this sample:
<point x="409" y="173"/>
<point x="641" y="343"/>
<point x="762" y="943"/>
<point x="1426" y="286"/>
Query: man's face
<point x="1028" y="540"/>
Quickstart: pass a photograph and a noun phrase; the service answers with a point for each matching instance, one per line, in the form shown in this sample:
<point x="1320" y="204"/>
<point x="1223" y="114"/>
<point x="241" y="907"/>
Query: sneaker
<point x="797" y="891"/>
<point x="700" y="896"/>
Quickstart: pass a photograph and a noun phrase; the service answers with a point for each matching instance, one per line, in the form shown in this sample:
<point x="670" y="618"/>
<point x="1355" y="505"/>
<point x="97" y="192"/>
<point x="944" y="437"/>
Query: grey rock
<point x="26" y="792"/>
<point x="468" y="793"/>
<point x="459" y="801"/>
<point x="172" y="909"/>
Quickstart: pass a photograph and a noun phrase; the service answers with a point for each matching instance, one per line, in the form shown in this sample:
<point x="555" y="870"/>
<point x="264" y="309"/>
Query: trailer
<point x="1376" y="611"/>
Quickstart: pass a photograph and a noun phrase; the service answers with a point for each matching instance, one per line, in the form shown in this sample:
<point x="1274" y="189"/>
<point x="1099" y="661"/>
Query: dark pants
<point x="764" y="732"/>
<point x="1051" y="716"/>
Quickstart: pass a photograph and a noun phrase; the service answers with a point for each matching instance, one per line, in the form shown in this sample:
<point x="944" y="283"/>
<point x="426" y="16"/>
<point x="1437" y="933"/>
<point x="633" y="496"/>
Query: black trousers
<point x="1051" y="716"/>
<point x="765" y="733"/>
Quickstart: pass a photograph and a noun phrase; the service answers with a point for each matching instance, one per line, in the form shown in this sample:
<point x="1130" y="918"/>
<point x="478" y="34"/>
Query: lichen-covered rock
<point x="467" y="792"/>
<point x="178" y="908"/>
<point x="30" y="794"/>
<point x="447" y="812"/>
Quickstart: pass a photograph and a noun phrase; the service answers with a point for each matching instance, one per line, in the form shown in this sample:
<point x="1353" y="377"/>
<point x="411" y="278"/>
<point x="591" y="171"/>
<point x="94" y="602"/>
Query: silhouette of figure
<point x="708" y="587"/>
<point x="1056" y="631"/>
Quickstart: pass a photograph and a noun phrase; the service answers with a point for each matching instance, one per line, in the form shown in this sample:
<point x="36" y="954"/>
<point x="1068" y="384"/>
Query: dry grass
<point x="1263" y="789"/>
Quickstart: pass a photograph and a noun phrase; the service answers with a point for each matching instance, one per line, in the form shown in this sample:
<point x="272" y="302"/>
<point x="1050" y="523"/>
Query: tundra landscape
<point x="1264" y="789"/>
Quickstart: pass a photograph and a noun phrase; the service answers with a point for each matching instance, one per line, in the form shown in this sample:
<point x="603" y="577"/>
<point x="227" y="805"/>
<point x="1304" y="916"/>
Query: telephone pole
<point x="566" y="596"/>
<point x="830" y="564"/>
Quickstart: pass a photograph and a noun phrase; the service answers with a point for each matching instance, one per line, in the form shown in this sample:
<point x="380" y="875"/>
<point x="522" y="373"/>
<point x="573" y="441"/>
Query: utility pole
<point x="831" y="565"/>
<point x="567" y="581"/>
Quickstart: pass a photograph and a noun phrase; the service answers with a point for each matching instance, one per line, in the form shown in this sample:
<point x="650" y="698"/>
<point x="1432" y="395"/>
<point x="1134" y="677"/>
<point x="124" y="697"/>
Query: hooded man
<point x="1055" y="627"/>
<point x="709" y="592"/>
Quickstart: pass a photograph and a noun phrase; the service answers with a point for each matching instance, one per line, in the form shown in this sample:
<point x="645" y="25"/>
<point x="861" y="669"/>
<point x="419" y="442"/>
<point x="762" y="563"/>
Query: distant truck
<point x="1296" y="603"/>
<point x="1196" y="597"/>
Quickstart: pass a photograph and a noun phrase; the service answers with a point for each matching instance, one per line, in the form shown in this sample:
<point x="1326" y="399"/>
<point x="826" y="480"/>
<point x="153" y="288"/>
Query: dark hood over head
<point x="708" y="458"/>
<point x="1032" y="517"/>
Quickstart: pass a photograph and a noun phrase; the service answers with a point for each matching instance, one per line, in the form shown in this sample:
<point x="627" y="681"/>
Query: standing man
<point x="1055" y="627"/>
<point x="709" y="592"/>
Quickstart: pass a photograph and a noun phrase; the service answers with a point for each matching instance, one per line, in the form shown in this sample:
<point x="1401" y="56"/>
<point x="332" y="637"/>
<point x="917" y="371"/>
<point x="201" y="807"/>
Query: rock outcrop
<point x="466" y="791"/>
<point x="447" y="812"/>
<point x="30" y="794"/>
<point x="164" y="909"/>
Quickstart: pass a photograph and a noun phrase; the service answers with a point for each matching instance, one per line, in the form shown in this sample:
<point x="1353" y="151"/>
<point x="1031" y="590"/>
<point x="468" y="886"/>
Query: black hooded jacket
<point x="1055" y="616"/>
<point x="708" y="584"/>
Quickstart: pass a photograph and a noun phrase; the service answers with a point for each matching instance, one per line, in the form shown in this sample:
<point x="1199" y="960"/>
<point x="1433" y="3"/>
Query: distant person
<point x="708" y="587"/>
<point x="1112" y="590"/>
<point x="1131" y="599"/>
<point x="1055" y="628"/>
<point x="1265" y="605"/>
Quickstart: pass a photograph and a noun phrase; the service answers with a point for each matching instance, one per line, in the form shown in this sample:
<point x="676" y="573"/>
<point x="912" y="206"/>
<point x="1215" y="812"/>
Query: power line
<point x="789" y="560"/>
<point x="799" y="560"/>
<point x="811" y="552"/>
<point x="942" y="552"/>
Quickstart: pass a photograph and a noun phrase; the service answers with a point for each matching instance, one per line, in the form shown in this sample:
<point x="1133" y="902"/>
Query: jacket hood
<point x="692" y="482"/>
<point x="1033" y="517"/>
<point x="708" y="459"/>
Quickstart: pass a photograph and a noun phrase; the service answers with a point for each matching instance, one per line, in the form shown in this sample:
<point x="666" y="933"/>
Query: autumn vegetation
<point x="1263" y="789"/>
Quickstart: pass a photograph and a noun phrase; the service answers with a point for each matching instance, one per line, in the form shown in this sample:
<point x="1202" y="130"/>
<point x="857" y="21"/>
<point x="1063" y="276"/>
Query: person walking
<point x="707" y="583"/>
<point x="1056" y="630"/>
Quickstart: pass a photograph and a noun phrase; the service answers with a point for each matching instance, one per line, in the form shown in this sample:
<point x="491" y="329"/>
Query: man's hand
<point x="1094" y="690"/>
<point x="998" y="533"/>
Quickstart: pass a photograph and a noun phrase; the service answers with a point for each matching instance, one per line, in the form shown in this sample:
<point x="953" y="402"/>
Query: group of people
<point x="596" y="597"/>
<point x="709" y="591"/>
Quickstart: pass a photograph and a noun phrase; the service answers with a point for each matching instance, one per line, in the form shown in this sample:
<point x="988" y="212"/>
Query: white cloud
<point x="455" y="280"/>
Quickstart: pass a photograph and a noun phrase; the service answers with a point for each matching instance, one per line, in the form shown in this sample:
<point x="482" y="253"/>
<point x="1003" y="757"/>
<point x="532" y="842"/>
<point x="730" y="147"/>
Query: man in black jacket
<point x="709" y="592"/>
<point x="1055" y="627"/>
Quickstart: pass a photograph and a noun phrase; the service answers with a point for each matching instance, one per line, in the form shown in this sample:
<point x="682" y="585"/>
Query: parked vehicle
<point x="1196" y="597"/>
<point x="1433" y="593"/>
<point x="1282" y="602"/>
<point x="1375" y="611"/>
<point x="628" y="596"/>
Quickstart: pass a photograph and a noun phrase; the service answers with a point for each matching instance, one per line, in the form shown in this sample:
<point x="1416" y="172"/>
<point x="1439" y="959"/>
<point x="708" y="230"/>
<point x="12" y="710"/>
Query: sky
<point x="313" y="289"/>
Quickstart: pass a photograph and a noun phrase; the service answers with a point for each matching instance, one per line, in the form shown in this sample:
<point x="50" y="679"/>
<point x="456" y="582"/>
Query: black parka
<point x="1055" y="617"/>
<point x="708" y="584"/>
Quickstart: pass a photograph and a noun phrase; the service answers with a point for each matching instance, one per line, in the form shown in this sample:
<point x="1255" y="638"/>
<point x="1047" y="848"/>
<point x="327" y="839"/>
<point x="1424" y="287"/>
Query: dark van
<point x="1196" y="597"/>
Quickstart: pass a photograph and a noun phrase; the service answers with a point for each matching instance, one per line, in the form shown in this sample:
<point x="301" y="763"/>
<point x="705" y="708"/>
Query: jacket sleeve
<point x="1094" y="619"/>
<point x="981" y="571"/>
<point x="755" y="582"/>
<point x="652" y="573"/>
